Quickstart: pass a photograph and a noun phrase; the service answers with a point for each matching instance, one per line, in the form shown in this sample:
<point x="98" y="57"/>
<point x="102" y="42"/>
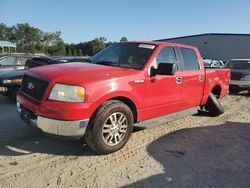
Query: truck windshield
<point x="238" y="65"/>
<point x="127" y="55"/>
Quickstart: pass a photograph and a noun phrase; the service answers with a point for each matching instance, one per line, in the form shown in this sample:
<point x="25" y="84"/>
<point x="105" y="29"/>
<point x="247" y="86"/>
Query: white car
<point x="213" y="63"/>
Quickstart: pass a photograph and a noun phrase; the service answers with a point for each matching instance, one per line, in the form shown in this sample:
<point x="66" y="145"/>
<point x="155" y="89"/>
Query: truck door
<point x="162" y="92"/>
<point x="192" y="78"/>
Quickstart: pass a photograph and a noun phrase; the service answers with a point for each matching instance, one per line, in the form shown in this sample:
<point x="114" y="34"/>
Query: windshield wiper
<point x="106" y="63"/>
<point x="88" y="60"/>
<point x="126" y="66"/>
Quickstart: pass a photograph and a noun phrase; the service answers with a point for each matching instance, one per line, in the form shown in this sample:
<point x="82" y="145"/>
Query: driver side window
<point x="166" y="55"/>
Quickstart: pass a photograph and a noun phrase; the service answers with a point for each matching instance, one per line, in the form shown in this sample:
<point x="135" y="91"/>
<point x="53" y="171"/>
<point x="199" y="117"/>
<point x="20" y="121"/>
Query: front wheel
<point x="213" y="105"/>
<point x="110" y="128"/>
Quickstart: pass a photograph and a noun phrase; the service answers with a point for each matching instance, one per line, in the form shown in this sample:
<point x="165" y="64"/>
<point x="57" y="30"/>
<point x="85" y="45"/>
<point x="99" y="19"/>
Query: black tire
<point x="213" y="105"/>
<point x="95" y="136"/>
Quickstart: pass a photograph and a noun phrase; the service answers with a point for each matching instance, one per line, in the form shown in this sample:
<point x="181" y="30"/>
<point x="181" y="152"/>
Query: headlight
<point x="14" y="81"/>
<point x="67" y="93"/>
<point x="246" y="78"/>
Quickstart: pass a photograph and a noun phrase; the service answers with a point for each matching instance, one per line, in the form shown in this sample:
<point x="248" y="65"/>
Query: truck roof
<point x="243" y="59"/>
<point x="161" y="43"/>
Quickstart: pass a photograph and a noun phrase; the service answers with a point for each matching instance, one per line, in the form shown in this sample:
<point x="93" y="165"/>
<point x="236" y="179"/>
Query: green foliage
<point x="56" y="45"/>
<point x="89" y="48"/>
<point x="32" y="40"/>
<point x="27" y="38"/>
<point x="79" y="52"/>
<point x="75" y="52"/>
<point x="68" y="50"/>
<point x="124" y="39"/>
<point x="5" y="32"/>
<point x="96" y="45"/>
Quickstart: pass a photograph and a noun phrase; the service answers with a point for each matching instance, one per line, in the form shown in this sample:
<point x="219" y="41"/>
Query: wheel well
<point x="129" y="103"/>
<point x="216" y="91"/>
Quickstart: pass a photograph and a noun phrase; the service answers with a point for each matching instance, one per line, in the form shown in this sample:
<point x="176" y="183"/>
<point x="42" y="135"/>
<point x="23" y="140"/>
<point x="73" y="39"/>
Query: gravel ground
<point x="194" y="151"/>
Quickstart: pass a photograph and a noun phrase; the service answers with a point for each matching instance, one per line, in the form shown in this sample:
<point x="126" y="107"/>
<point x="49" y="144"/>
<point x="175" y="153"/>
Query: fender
<point x="117" y="94"/>
<point x="216" y="82"/>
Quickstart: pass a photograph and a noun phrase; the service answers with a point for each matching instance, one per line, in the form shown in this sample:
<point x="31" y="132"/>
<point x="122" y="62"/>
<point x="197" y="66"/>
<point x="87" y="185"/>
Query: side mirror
<point x="164" y="69"/>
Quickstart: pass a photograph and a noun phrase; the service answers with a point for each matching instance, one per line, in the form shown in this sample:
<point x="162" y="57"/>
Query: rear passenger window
<point x="190" y="59"/>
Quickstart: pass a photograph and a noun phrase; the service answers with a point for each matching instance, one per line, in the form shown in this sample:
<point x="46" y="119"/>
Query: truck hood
<point x="78" y="72"/>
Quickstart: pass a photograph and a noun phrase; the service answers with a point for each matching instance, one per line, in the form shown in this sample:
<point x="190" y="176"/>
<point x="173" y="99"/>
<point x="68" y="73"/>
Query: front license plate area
<point x="26" y="115"/>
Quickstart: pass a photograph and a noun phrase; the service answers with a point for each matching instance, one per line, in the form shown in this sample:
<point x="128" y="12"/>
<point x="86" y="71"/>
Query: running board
<point x="166" y="118"/>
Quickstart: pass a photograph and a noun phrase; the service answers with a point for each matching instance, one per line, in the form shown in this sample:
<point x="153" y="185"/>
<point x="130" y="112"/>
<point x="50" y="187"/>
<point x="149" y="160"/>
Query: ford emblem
<point x="31" y="86"/>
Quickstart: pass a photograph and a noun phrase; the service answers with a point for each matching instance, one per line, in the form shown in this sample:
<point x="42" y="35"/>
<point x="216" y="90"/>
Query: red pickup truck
<point x="123" y="84"/>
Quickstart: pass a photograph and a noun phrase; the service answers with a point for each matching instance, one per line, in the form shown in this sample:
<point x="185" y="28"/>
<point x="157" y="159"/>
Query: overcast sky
<point x="83" y="20"/>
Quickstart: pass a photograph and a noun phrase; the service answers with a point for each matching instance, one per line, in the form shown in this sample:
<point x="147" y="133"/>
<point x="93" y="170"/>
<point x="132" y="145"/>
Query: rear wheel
<point x="110" y="128"/>
<point x="213" y="105"/>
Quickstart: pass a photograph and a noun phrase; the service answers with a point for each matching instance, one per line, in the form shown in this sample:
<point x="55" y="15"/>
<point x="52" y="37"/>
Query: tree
<point x="75" y="52"/>
<point x="5" y="32"/>
<point x="31" y="40"/>
<point x="56" y="44"/>
<point x="124" y="39"/>
<point x="27" y="38"/>
<point x="79" y="52"/>
<point x="95" y="45"/>
<point x="68" y="49"/>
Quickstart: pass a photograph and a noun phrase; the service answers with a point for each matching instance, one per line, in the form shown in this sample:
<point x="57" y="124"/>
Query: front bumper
<point x="239" y="83"/>
<point x="64" y="128"/>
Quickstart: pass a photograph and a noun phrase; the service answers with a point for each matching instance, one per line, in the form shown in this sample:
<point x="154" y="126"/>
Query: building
<point x="218" y="45"/>
<point x="8" y="45"/>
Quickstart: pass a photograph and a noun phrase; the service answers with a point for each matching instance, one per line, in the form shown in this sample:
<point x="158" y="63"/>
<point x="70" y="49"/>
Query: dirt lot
<point x="194" y="151"/>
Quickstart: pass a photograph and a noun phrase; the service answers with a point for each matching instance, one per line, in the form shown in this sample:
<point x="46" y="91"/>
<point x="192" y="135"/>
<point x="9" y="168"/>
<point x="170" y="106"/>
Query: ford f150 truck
<point x="123" y="84"/>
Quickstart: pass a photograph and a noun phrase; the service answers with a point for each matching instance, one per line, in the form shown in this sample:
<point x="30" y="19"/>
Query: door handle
<point x="201" y="78"/>
<point x="178" y="80"/>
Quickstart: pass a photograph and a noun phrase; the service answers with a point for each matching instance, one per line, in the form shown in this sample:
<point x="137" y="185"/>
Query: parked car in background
<point x="123" y="84"/>
<point x="213" y="63"/>
<point x="16" y="61"/>
<point x="240" y="74"/>
<point x="40" y="61"/>
<point x="10" y="81"/>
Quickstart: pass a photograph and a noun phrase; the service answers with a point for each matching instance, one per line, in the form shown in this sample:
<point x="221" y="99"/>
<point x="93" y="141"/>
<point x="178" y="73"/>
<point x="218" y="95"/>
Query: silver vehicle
<point x="213" y="63"/>
<point x="240" y="73"/>
<point x="9" y="62"/>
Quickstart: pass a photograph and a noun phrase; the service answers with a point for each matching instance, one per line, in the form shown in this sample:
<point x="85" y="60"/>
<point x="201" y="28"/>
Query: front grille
<point x="34" y="87"/>
<point x="236" y="75"/>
